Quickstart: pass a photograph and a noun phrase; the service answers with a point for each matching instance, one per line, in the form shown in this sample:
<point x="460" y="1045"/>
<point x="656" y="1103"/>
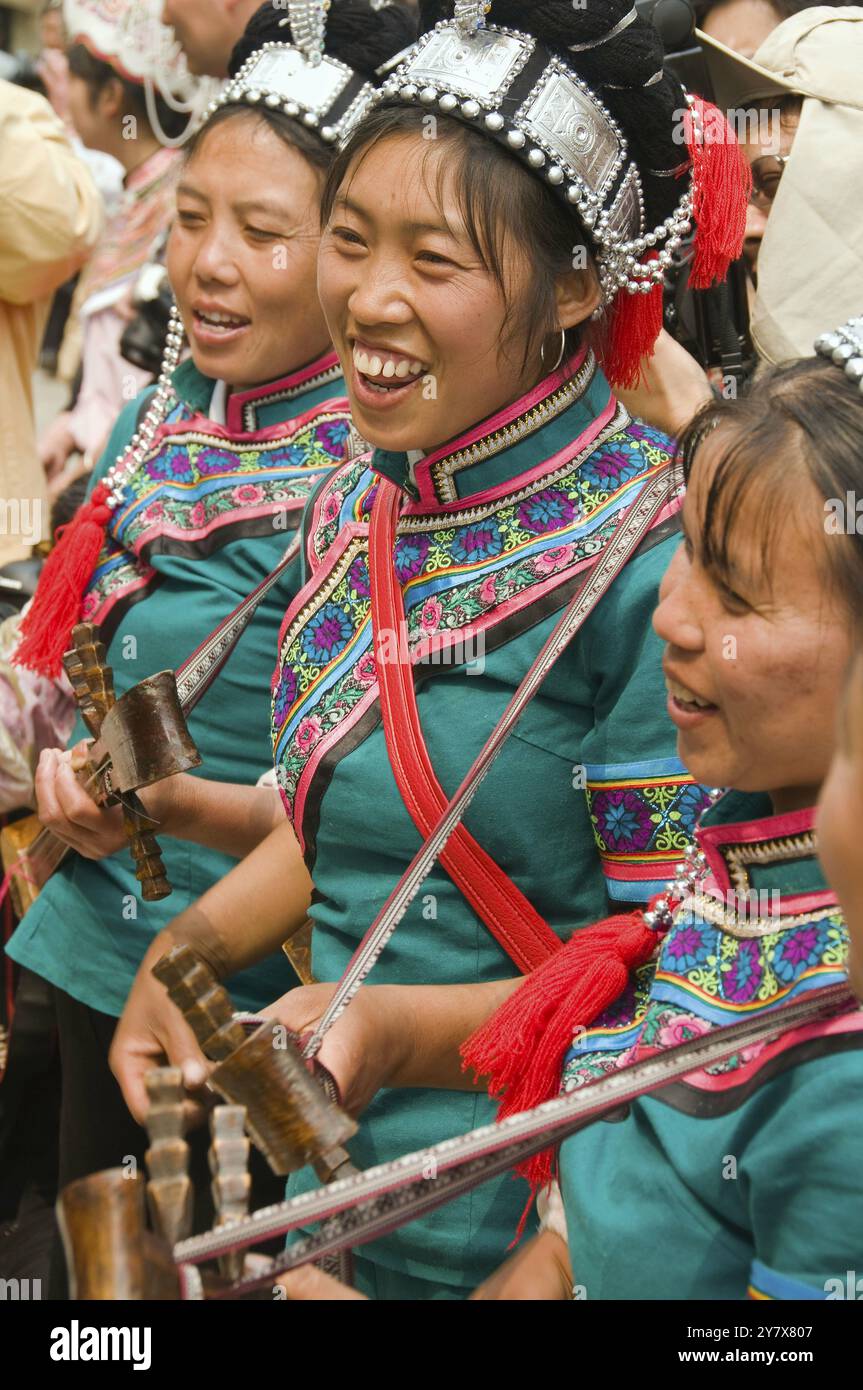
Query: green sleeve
<point x="642" y="802"/>
<point x="801" y="1169"/>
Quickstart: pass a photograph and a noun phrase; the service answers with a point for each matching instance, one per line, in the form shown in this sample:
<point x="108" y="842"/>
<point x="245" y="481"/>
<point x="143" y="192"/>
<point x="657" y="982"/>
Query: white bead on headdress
<point x="845" y="347"/>
<point x="300" y="79"/>
<point x="530" y="100"/>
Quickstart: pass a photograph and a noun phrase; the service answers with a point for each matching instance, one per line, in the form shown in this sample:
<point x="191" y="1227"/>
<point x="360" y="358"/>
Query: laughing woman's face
<point x="419" y="321"/>
<point x="840" y="819"/>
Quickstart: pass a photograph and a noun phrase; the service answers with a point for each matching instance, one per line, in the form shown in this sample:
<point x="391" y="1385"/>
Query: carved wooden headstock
<point x="290" y="1117"/>
<point x="139" y="739"/>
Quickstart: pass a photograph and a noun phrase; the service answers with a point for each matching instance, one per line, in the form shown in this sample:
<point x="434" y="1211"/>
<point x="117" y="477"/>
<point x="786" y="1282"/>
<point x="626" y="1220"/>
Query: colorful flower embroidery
<point x="546" y="511"/>
<point x="410" y="556"/>
<point x="482" y="541"/>
<point x="327" y="634"/>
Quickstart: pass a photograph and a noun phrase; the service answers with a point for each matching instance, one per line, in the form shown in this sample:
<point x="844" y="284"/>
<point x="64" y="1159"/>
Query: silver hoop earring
<point x="560" y="355"/>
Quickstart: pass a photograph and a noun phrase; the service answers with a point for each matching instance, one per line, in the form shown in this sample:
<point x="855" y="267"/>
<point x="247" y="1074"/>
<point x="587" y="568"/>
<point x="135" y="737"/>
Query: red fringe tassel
<point x="722" y="182"/>
<point x="522" y="1046"/>
<point x="47" y="625"/>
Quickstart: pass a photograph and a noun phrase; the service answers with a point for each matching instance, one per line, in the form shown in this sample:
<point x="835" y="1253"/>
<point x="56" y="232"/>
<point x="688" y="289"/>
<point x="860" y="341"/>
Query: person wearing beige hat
<point x="807" y="161"/>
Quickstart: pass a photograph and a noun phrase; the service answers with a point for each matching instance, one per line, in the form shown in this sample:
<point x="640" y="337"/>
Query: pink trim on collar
<point x="713" y="838"/>
<point x="237" y="400"/>
<point x="498" y="421"/>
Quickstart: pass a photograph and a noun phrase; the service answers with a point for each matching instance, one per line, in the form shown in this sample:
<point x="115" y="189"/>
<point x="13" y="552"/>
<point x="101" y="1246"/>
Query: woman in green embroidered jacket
<point x="744" y="1178"/>
<point x="452" y="275"/>
<point x="202" y="514"/>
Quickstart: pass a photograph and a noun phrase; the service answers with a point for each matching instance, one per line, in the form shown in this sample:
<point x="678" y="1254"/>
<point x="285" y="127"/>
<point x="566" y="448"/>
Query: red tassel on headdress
<point x="522" y="1046"/>
<point x="721" y="185"/>
<point x="47" y="625"/>
<point x="634" y="323"/>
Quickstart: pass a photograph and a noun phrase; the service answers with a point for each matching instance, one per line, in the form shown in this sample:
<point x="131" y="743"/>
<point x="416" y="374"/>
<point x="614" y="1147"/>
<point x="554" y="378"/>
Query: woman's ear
<point x="111" y="99"/>
<point x="576" y="296"/>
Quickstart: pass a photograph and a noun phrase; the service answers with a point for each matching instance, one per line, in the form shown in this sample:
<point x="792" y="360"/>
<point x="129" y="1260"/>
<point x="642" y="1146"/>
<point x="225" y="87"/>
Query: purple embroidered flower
<point x="358" y="577"/>
<point x="740" y="984"/>
<point x="247" y="494"/>
<point x="481" y="541"/>
<point x="608" y="468"/>
<point x="411" y="552"/>
<point x="797" y="951"/>
<point x="549" y="510"/>
<point x="684" y="948"/>
<point x="286" y="693"/>
<point x="327" y="634"/>
<point x="623" y="820"/>
<point x="209" y="461"/>
<point x="332" y="435"/>
<point x="171" y="466"/>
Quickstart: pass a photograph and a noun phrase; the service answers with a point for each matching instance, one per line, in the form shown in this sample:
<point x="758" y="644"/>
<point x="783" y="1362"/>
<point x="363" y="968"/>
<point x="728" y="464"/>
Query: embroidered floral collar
<point x="244" y="409"/>
<point x="753" y="854"/>
<point x="493" y="452"/>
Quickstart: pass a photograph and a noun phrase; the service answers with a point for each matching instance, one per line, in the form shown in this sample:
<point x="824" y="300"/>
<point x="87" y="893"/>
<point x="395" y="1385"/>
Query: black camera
<point x="712" y="324"/>
<point x="143" y="339"/>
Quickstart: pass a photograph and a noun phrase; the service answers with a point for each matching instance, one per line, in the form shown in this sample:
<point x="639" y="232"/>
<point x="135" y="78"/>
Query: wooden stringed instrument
<point x="137" y="740"/>
<point x="269" y="1090"/>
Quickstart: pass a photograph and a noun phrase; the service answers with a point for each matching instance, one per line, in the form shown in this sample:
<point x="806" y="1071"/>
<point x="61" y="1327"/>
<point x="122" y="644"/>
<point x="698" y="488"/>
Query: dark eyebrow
<point x="416" y="228"/>
<point x="187" y="190"/>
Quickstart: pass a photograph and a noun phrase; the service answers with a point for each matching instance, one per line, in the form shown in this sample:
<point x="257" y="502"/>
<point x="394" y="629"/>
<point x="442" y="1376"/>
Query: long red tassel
<point x="634" y="324"/>
<point x="47" y="625"/>
<point x="721" y="185"/>
<point x="522" y="1046"/>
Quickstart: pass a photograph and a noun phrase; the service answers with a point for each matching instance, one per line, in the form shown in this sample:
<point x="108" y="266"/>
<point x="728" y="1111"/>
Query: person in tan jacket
<point x="50" y="219"/>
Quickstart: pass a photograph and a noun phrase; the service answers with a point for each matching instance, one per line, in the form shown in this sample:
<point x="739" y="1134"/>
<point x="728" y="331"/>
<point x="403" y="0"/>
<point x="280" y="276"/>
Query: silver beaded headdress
<point x="525" y="97"/>
<point x="845" y="347"/>
<point x="300" y="79"/>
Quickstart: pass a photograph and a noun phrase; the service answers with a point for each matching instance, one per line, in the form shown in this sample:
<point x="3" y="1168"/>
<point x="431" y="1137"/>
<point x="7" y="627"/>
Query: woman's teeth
<point x="221" y="323"/>
<point x="396" y="370"/>
<point x="685" y="695"/>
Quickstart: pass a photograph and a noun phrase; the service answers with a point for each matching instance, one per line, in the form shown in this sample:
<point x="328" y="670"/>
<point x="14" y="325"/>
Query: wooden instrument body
<point x="138" y="740"/>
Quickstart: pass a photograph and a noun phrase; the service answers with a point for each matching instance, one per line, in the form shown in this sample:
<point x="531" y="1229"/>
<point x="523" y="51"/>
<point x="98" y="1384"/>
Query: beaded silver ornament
<point x="844" y="346"/>
<point x="308" y="21"/>
<point x="559" y="127"/>
<point x="129" y="461"/>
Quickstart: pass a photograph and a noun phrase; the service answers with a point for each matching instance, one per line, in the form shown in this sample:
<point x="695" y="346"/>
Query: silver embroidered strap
<point x="197" y="674"/>
<point x="630" y="531"/>
<point x="361" y="1208"/>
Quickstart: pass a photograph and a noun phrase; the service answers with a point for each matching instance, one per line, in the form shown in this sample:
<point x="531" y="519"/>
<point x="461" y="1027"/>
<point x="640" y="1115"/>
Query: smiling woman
<point x="460" y="266"/>
<point x="192" y="508"/>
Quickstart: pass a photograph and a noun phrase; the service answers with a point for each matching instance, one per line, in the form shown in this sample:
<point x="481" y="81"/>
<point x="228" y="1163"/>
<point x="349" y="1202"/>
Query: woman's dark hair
<point x="798" y="423"/>
<point x="501" y="202"/>
<point x="503" y="207"/>
<point x="97" y="74"/>
<point x="357" y="35"/>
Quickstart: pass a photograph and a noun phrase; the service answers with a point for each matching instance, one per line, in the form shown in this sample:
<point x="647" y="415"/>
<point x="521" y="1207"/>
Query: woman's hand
<point x="539" y="1271"/>
<point x="368" y="1045"/>
<point x="310" y="1285"/>
<point x="153" y="1033"/>
<point x="67" y="809"/>
<point x="56" y="445"/>
<point x="674" y="387"/>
